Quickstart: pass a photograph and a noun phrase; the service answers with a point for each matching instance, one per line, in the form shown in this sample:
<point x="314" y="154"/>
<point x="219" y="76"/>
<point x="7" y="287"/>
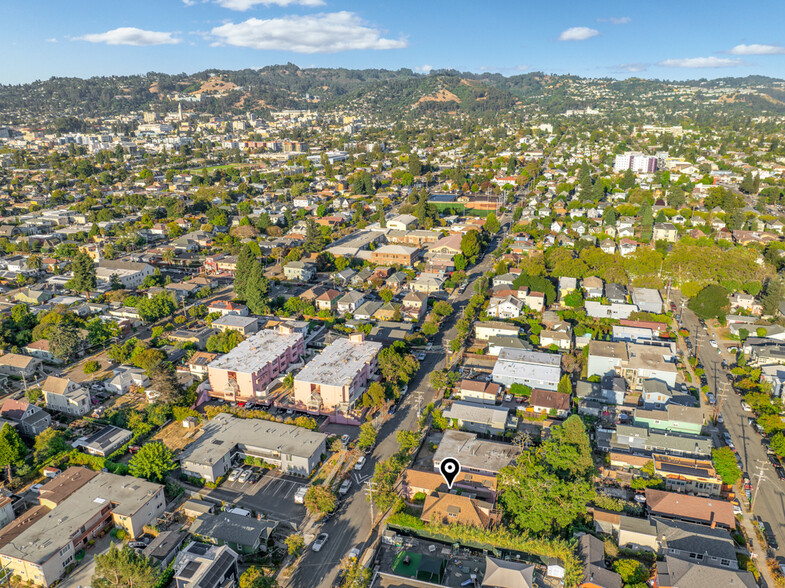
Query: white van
<point x="299" y="496"/>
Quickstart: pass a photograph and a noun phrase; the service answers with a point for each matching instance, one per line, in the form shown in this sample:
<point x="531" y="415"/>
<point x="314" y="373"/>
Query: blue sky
<point x="668" y="40"/>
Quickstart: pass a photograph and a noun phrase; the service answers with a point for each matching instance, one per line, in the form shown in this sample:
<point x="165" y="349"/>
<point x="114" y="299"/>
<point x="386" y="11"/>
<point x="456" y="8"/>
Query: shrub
<point x="91" y="366"/>
<point x="419" y="497"/>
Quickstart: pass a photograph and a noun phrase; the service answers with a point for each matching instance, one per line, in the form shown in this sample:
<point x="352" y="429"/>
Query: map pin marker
<point x="450" y="468"/>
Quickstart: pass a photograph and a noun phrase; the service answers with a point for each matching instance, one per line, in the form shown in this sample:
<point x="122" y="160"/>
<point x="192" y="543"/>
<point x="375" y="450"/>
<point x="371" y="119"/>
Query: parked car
<point x="345" y="439"/>
<point x="299" y="496"/>
<point x="711" y="398"/>
<point x="720" y="420"/>
<point x="354" y="553"/>
<point x="233" y="475"/>
<point x="319" y="542"/>
<point x="360" y="463"/>
<point x="421" y="356"/>
<point x="345" y="487"/>
<point x="745" y="407"/>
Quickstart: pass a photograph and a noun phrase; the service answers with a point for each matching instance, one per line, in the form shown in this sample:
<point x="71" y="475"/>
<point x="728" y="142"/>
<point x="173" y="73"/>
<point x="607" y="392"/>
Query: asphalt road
<point x="351" y="527"/>
<point x="770" y="500"/>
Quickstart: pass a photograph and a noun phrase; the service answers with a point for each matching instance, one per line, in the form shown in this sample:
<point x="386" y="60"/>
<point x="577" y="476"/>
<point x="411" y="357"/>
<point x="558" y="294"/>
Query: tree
<point x="367" y="437"/>
<point x="565" y="385"/>
<point x="163" y="380"/>
<point x="396" y="365"/>
<point x="747" y="184"/>
<point x="442" y="308"/>
<point x="628" y="180"/>
<point x="83" y="269"/>
<point x="245" y="261"/>
<point x="12" y="450"/>
<point x="314" y="240"/>
<point x="224" y="342"/>
<point x="632" y="571"/>
<point x="778" y="443"/>
<point x="725" y="463"/>
<point x="374" y="396"/>
<point x="295" y="543"/>
<point x="386" y="294"/>
<point x="470" y="245"/>
<point x="257" y="289"/>
<point x="407" y="441"/>
<point x="319" y="500"/>
<point x="48" y="443"/>
<point x="492" y="225"/>
<point x="120" y="568"/>
<point x="254" y="577"/>
<point x="65" y="340"/>
<point x="711" y="302"/>
<point x="153" y="461"/>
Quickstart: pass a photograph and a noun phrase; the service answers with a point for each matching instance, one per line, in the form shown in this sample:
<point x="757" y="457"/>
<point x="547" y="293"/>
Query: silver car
<point x="321" y="539"/>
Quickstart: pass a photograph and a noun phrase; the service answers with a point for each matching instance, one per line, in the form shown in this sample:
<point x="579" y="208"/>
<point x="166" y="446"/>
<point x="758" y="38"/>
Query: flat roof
<point x="339" y="363"/>
<point x="256" y="351"/>
<point x="235" y="320"/>
<point x="225" y="431"/>
<point x="47" y="535"/>
<point x="474" y="453"/>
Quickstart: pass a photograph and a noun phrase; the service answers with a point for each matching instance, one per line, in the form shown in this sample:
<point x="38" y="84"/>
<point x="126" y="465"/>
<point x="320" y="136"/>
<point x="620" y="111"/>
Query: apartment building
<point x="244" y="373"/>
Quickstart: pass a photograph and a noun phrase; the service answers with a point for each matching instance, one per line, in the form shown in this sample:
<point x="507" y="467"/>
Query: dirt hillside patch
<point x="440" y="96"/>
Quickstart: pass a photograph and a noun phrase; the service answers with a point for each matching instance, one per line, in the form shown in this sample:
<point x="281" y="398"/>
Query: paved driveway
<point x="83" y="574"/>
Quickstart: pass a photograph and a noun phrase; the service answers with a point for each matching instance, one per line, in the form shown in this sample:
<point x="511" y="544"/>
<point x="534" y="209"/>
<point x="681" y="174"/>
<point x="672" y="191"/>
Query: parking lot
<point x="272" y="495"/>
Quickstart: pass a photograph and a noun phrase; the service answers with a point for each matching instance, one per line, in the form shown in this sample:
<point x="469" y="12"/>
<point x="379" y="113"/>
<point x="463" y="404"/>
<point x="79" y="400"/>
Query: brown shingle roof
<point x="453" y="508"/>
<point x="549" y="399"/>
<point x="690" y="508"/>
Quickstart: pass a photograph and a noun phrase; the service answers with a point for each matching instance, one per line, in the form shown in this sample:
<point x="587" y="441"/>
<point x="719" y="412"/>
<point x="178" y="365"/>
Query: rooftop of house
<point x="256" y="351"/>
<point x="339" y="362"/>
<point x="234" y="528"/>
<point x="473" y="453"/>
<point x="223" y="432"/>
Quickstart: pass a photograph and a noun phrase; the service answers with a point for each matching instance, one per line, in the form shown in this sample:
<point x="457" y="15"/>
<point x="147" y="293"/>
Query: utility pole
<point x="757" y="484"/>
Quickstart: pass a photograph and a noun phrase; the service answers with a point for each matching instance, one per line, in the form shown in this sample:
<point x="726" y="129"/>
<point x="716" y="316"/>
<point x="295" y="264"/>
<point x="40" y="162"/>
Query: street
<point x="770" y="499"/>
<point x="351" y="527"/>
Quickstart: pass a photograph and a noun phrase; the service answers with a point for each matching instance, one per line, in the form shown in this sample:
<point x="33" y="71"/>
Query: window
<point x="725" y="562"/>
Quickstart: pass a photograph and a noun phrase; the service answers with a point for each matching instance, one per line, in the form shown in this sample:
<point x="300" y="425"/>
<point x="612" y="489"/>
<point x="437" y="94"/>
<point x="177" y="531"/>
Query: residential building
<point x="125" y="378"/>
<point x="534" y="369"/>
<point x="245" y="325"/>
<point x="640" y="440"/>
<point x="20" y="366"/>
<point x="504" y="308"/>
<point x="683" y="474"/>
<point x="106" y="441"/>
<point x="206" y="566"/>
<point x="130" y="274"/>
<point x="675" y="572"/>
<point x="634" y="362"/>
<point x="636" y="161"/>
<point x="294" y="449"/>
<point x="225" y="307"/>
<point x="454" y="509"/>
<point x="402" y="222"/>
<point x="487" y="420"/>
<point x="350" y="301"/>
<point x="476" y="456"/>
<point x="42" y="350"/>
<point x="198" y="337"/>
<point x="335" y="379"/>
<point x="198" y="363"/>
<point x="245" y="372"/>
<point x="694" y="509"/>
<point x="550" y="402"/>
<point x="647" y="300"/>
<point x="673" y="418"/>
<point x="75" y="508"/>
<point x="164" y="547"/>
<point x="595" y="573"/>
<point x="416" y="481"/>
<point x="244" y="534"/>
<point x="427" y="283"/>
<point x="395" y="255"/>
<point x="302" y="271"/>
<point x="30" y="419"/>
<point x="484" y="330"/>
<point x="479" y="392"/>
<point x="614" y="310"/>
<point x="65" y="395"/>
<point x="665" y="232"/>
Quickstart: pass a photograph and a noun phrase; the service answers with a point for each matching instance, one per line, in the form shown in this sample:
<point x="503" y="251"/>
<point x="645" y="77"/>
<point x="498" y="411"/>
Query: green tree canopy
<point x="711" y="302"/>
<point x="124" y="568"/>
<point x="83" y="269"/>
<point x="12" y="450"/>
<point x="153" y="461"/>
<point x="725" y="463"/>
<point x="367" y="437"/>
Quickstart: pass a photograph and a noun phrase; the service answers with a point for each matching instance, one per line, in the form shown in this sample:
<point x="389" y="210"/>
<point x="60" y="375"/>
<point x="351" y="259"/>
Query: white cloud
<point x="616" y="20"/>
<point x="701" y="62"/>
<point x="52" y="40"/>
<point x="757" y="50"/>
<point x="313" y="33"/>
<point x="243" y="5"/>
<point x="631" y="67"/>
<point x="424" y="68"/>
<point x="578" y="34"/>
<point x="130" y="36"/>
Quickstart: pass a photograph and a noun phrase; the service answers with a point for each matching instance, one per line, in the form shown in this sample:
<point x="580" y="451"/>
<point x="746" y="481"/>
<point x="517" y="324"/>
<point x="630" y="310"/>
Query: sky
<point x="689" y="39"/>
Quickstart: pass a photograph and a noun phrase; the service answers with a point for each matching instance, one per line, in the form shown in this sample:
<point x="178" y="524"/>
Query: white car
<point x="508" y="397"/>
<point x="720" y="420"/>
<point x="233" y="475"/>
<point x="345" y="440"/>
<point x="299" y="496"/>
<point x="321" y="539"/>
<point x="745" y="407"/>
<point x="404" y="390"/>
<point x="360" y="463"/>
<point x="245" y="476"/>
<point x="428" y="347"/>
<point x="345" y="487"/>
<point x="713" y="343"/>
<point x="421" y="356"/>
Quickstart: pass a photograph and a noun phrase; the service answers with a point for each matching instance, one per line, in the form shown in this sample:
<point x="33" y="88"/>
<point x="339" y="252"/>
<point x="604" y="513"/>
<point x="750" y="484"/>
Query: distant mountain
<point x="381" y="92"/>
